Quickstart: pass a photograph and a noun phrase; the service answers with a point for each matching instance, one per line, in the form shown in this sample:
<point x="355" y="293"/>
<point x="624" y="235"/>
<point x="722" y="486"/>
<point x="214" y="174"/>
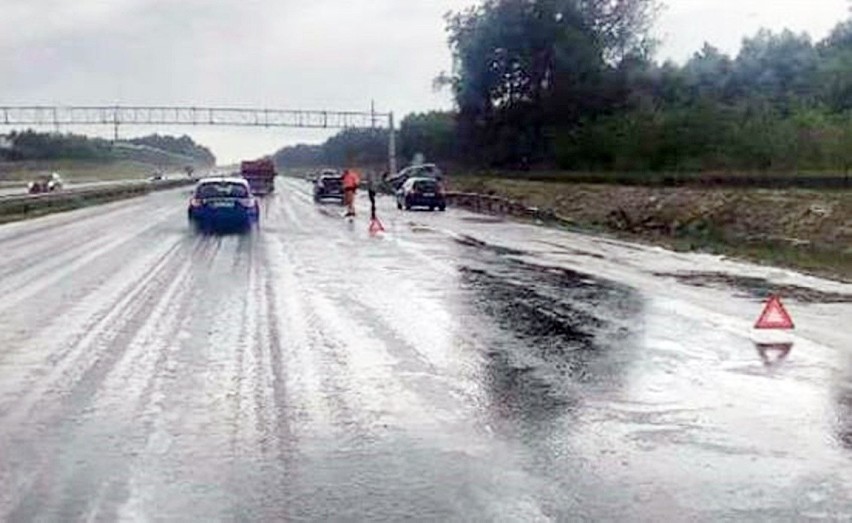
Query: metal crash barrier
<point x="29" y="204"/>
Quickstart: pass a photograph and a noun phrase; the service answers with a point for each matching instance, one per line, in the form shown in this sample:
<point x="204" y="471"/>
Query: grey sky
<point x="334" y="54"/>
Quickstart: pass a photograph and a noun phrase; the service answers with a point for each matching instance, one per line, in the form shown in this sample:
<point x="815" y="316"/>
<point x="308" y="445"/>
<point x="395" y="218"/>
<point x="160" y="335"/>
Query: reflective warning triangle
<point x="376" y="226"/>
<point x="774" y="316"/>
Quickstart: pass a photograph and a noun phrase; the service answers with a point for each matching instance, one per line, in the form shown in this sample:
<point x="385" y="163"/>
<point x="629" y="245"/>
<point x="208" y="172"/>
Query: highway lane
<point x="458" y="367"/>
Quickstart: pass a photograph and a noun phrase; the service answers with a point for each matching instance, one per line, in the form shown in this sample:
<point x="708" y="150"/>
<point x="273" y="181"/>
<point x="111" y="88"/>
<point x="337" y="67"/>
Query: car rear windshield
<point x="222" y="190"/>
<point x="425" y="186"/>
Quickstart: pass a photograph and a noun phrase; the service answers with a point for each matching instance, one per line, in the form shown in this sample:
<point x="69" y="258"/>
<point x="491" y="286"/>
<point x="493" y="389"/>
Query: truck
<point x="260" y="175"/>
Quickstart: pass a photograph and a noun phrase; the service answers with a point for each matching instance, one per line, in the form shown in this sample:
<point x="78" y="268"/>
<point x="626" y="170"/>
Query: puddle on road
<point x="842" y="394"/>
<point x="470" y="241"/>
<point x="552" y="334"/>
<point x="773" y="354"/>
<point x="843" y="416"/>
<point x="758" y="288"/>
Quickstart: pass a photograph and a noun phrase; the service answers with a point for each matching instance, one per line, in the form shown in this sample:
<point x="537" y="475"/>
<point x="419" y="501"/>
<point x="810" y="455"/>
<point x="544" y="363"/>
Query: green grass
<point x="755" y="224"/>
<point x="15" y="173"/>
<point x="814" y="179"/>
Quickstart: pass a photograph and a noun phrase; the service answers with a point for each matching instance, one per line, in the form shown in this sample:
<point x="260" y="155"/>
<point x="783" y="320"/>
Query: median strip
<point x="13" y="208"/>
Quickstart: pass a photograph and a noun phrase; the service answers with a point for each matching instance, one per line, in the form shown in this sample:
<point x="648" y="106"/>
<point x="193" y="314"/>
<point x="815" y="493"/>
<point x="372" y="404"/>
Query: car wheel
<point x="442" y="208"/>
<point x="431" y="208"/>
<point x="398" y="205"/>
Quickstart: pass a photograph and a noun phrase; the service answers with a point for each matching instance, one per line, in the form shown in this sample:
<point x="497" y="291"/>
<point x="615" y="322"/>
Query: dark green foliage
<point x="348" y="147"/>
<point x="357" y="147"/>
<point x="31" y="145"/>
<point x="183" y="146"/>
<point x="571" y="84"/>
<point x="545" y="79"/>
<point x="300" y="155"/>
<point x="526" y="65"/>
<point x="430" y="134"/>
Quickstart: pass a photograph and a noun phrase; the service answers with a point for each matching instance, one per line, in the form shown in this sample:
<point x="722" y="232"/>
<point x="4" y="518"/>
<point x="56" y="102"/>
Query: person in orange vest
<point x="351" y="180"/>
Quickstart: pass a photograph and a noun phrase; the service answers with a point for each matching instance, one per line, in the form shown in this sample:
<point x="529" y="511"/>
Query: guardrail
<point x="490" y="204"/>
<point x="29" y="204"/>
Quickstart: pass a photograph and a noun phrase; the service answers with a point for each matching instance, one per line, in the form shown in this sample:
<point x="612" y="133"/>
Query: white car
<point x="43" y="184"/>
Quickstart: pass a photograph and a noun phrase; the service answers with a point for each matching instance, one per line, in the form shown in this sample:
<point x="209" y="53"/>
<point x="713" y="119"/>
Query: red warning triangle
<point x="774" y="316"/>
<point x="376" y="226"/>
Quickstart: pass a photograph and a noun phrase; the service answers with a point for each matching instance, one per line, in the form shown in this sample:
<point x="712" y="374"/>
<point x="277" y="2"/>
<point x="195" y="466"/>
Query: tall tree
<point x="523" y="65"/>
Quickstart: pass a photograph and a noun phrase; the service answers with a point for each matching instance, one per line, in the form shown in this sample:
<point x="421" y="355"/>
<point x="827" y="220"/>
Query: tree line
<point x="32" y="145"/>
<point x="432" y="135"/>
<point x="574" y="84"/>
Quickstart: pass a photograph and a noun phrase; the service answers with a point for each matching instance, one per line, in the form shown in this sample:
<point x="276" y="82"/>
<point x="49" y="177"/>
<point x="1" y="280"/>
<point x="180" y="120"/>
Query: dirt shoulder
<point x="803" y="229"/>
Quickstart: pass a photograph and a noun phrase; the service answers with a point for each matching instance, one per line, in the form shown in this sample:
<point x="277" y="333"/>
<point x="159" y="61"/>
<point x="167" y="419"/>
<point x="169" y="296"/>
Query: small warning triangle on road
<point x="376" y="226"/>
<point x="774" y="316"/>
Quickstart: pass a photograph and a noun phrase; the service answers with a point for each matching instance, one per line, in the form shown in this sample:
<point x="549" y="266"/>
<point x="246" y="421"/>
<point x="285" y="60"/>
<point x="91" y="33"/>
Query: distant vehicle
<point x="156" y="177"/>
<point x="314" y="176"/>
<point x="44" y="184"/>
<point x="223" y="202"/>
<point x="426" y="170"/>
<point x="328" y="186"/>
<point x="421" y="192"/>
<point x="260" y="175"/>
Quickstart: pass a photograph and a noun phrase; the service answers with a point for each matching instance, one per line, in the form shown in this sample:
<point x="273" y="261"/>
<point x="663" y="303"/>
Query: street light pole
<point x="391" y="145"/>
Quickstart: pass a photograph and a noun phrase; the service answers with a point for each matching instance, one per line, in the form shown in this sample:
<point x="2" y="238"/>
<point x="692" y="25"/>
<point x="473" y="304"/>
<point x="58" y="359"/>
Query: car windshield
<point x="222" y="190"/>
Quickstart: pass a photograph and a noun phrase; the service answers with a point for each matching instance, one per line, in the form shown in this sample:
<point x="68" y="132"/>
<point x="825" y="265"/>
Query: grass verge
<point x="19" y="173"/>
<point x="808" y="230"/>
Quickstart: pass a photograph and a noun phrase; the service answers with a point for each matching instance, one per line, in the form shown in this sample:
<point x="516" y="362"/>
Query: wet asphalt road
<point x="456" y="368"/>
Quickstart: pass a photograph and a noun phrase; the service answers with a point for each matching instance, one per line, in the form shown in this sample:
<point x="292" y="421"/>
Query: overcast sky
<point x="325" y="54"/>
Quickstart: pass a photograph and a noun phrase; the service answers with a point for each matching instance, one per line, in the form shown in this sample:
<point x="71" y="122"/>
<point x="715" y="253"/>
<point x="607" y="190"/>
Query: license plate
<point x="222" y="204"/>
<point x="428" y="194"/>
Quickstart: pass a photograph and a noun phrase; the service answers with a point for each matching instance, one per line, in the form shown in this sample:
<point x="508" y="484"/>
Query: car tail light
<point x="195" y="202"/>
<point x="247" y="202"/>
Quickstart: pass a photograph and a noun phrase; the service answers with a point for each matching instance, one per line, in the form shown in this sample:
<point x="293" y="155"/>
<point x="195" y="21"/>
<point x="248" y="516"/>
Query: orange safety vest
<point x="351" y="180"/>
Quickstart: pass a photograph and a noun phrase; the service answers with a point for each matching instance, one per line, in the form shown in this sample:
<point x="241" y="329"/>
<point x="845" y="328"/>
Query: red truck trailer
<point x="260" y="174"/>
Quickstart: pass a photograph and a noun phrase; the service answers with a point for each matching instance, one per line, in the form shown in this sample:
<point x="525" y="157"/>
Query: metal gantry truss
<point x="118" y="115"/>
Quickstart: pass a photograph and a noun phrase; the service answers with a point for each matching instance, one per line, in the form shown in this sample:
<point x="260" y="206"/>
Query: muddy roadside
<point x="807" y="230"/>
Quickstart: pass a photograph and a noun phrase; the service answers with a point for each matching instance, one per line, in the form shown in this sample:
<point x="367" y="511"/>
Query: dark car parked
<point x="328" y="186"/>
<point x="421" y="192"/>
<point x="223" y="203"/>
